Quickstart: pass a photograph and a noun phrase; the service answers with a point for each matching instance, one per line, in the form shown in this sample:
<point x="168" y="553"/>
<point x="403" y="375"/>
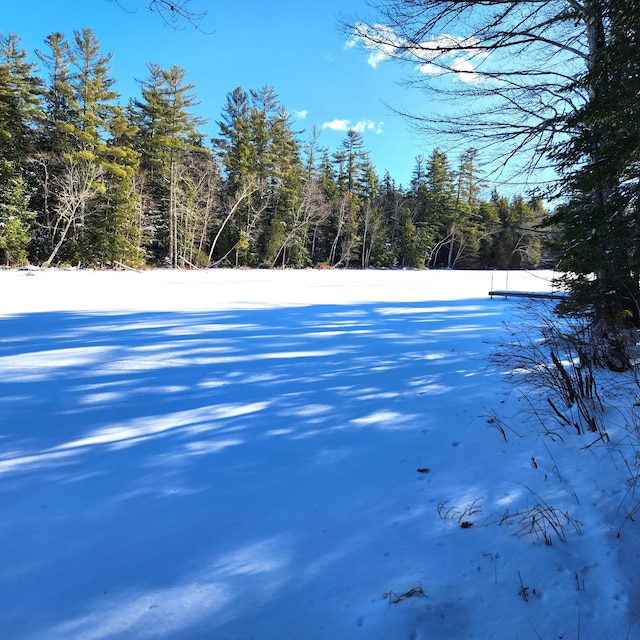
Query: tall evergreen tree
<point x="261" y="153"/>
<point x="19" y="111"/>
<point x="85" y="170"/>
<point x="353" y="169"/>
<point x="60" y="104"/>
<point x="107" y="231"/>
<point x="56" y="139"/>
<point x="280" y="177"/>
<point x="466" y="227"/>
<point x="168" y="136"/>
<point x="20" y="104"/>
<point x="93" y="92"/>
<point x="600" y="220"/>
<point x="439" y="206"/>
<point x="234" y="143"/>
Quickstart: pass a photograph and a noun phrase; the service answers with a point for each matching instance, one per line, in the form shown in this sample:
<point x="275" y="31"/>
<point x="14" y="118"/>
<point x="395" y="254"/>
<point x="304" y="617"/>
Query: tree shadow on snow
<point x="193" y="475"/>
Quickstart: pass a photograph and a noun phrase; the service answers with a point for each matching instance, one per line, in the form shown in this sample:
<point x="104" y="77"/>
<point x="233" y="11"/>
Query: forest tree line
<point x="87" y="181"/>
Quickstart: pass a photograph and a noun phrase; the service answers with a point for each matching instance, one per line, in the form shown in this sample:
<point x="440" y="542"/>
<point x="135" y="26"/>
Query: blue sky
<point x="294" y="47"/>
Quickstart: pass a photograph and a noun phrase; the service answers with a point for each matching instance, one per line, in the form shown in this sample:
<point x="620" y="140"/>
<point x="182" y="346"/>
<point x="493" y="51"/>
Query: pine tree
<point x="116" y="232"/>
<point x="516" y="243"/>
<point x="394" y="204"/>
<point x="20" y="104"/>
<point x="93" y="93"/>
<point x="466" y="228"/>
<point x="108" y="230"/>
<point x="15" y="218"/>
<point x="19" y="111"/>
<point x="280" y="177"/>
<point x="60" y="104"/>
<point x="600" y="219"/>
<point x="168" y="140"/>
<point x="234" y="144"/>
<point x="261" y="155"/>
<point x="419" y="188"/>
<point x="85" y="165"/>
<point x="56" y="140"/>
<point x="353" y="173"/>
<point x="439" y="207"/>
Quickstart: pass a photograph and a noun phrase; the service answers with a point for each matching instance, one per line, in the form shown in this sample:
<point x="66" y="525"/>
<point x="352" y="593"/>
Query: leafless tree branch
<point x="174" y="13"/>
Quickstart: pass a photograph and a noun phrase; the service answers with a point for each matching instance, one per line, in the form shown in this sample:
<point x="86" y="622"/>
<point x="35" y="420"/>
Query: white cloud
<point x="379" y="39"/>
<point x="429" y="69"/>
<point x="301" y="114"/>
<point x="458" y="54"/>
<point x="368" y="125"/>
<point x="466" y="71"/>
<point x="337" y="125"/>
<point x="361" y="126"/>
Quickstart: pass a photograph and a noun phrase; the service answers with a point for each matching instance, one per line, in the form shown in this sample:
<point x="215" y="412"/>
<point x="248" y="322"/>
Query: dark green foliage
<point x="85" y="180"/>
<point x="15" y="219"/>
<point x="515" y="241"/>
<point x="175" y="167"/>
<point x="19" y="113"/>
<point x="599" y="215"/>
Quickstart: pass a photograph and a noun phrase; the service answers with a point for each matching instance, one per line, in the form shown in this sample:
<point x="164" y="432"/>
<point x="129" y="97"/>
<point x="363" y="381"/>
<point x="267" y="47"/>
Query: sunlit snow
<point x="297" y="455"/>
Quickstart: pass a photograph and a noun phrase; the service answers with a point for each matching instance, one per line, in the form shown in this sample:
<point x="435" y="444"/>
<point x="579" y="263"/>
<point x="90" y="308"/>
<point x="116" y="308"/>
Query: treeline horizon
<point x="86" y="181"/>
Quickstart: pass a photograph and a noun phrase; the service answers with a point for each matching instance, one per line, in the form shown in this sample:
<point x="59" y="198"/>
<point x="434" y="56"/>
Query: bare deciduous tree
<point x="242" y="195"/>
<point x="505" y="71"/>
<point x="311" y="210"/>
<point x="75" y="186"/>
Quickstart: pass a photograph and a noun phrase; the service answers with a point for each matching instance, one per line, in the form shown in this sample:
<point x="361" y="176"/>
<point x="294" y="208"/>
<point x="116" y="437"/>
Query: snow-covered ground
<point x="292" y="455"/>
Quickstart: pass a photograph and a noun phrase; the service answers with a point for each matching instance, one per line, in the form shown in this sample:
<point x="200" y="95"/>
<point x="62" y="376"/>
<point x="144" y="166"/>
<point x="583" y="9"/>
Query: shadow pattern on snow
<point x="176" y="474"/>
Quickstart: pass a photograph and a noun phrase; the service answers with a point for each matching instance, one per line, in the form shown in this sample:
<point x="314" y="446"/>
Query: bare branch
<point x="506" y="70"/>
<point x="174" y="13"/>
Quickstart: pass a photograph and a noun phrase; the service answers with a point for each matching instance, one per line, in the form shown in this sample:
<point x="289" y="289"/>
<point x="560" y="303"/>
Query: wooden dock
<point x="547" y="295"/>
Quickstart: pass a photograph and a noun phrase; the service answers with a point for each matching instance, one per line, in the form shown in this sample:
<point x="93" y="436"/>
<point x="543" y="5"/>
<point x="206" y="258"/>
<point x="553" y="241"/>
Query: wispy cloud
<point x="379" y="39"/>
<point x="368" y="125"/>
<point x="301" y="114"/>
<point x="361" y="126"/>
<point x="457" y="54"/>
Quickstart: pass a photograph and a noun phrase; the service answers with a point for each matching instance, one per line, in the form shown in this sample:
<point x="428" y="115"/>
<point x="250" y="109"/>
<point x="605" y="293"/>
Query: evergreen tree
<point x="116" y="231"/>
<point x="466" y="228"/>
<point x="93" y="93"/>
<point x="600" y="220"/>
<point x="15" y="218"/>
<point x="280" y="177"/>
<point x="394" y="204"/>
<point x="55" y="140"/>
<point x="419" y="190"/>
<point x="108" y="229"/>
<point x="354" y="181"/>
<point x="168" y="138"/>
<point x="234" y="144"/>
<point x="60" y="104"/>
<point x="260" y="153"/>
<point x="439" y="207"/>
<point x="411" y="243"/>
<point x="20" y="104"/>
<point x="516" y="244"/>
<point x="85" y="171"/>
<point x="352" y="162"/>
<point x="19" y="111"/>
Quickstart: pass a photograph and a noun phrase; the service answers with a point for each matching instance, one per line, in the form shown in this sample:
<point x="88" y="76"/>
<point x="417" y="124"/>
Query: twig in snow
<point x="415" y="592"/>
